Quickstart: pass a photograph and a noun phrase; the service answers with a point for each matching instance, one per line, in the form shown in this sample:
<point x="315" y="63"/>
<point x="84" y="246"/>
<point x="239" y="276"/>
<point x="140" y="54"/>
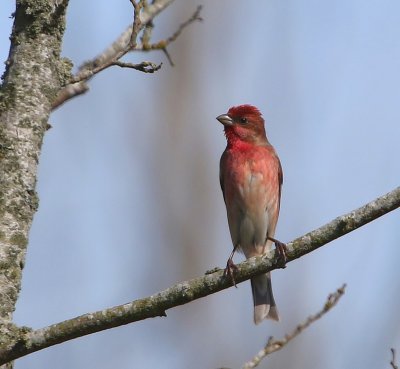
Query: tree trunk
<point x="34" y="74"/>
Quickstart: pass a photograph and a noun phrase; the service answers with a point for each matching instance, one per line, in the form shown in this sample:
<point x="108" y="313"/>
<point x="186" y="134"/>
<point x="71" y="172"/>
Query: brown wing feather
<point x="280" y="178"/>
<point x="221" y="179"/>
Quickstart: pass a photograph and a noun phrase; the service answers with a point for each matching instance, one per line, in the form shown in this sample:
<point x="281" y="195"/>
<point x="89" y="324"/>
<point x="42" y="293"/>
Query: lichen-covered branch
<point x="28" y="341"/>
<point x="274" y="345"/>
<point x="33" y="76"/>
<point x="143" y="19"/>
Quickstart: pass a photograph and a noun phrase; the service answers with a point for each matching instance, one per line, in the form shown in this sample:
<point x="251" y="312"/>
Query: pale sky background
<point x="130" y="201"/>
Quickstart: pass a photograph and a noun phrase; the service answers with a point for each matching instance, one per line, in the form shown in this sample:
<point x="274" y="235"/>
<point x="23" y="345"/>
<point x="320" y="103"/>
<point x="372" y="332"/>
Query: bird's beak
<point x="225" y="119"/>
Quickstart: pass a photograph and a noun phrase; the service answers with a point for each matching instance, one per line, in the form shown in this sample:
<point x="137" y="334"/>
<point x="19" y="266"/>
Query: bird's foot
<point x="230" y="269"/>
<point x="281" y="249"/>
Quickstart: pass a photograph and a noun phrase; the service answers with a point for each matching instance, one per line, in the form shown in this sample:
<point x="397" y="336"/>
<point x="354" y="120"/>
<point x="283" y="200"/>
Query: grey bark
<point x="34" y="74"/>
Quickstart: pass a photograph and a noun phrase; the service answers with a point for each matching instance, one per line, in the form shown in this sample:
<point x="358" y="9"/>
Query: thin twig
<point x="194" y="18"/>
<point x="146" y="67"/>
<point x="168" y="56"/>
<point x="146" y="36"/>
<point x="274" y="345"/>
<point x="162" y="45"/>
<point x="144" y="15"/>
<point x="393" y="362"/>
<point x="27" y="340"/>
<point x="90" y="70"/>
<point x="136" y="25"/>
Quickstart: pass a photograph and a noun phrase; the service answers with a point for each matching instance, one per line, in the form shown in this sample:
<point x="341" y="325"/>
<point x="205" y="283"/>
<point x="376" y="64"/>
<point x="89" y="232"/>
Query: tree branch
<point x="126" y="42"/>
<point x="28" y="341"/>
<point x="274" y="345"/>
<point x="393" y="362"/>
<point x="162" y="45"/>
<point x="145" y="67"/>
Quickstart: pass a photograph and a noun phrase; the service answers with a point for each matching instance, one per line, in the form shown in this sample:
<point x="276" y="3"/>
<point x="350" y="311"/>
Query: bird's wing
<point x="221" y="177"/>
<point x="280" y="179"/>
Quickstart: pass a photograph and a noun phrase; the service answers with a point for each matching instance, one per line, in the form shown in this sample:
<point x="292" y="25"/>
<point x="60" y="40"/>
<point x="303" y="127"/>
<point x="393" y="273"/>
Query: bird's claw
<point x="281" y="249"/>
<point x="230" y="269"/>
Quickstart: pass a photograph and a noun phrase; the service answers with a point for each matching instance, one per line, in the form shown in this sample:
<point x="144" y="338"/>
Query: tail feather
<point x="264" y="303"/>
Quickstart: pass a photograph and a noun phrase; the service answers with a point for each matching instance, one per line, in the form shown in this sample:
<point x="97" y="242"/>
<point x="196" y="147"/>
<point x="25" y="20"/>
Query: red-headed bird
<point x="251" y="180"/>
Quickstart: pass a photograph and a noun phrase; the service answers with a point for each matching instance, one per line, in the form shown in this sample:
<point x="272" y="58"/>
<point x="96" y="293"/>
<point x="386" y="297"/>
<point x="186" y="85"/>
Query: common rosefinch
<point x="251" y="179"/>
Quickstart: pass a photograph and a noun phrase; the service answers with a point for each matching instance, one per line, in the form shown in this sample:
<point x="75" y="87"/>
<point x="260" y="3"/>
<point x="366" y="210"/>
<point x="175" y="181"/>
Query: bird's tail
<point x="264" y="303"/>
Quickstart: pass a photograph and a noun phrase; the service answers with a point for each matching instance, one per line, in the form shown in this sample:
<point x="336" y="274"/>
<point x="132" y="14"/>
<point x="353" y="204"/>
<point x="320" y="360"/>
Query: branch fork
<point x="143" y="16"/>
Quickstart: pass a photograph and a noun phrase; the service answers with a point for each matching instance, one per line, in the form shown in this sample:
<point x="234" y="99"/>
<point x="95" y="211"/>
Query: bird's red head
<point x="244" y="123"/>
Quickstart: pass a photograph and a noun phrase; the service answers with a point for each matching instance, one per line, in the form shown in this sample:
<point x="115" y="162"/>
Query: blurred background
<point x="130" y="201"/>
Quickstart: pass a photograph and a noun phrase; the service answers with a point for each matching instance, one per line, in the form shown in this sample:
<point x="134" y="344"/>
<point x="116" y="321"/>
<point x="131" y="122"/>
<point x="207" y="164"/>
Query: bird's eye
<point x="243" y="120"/>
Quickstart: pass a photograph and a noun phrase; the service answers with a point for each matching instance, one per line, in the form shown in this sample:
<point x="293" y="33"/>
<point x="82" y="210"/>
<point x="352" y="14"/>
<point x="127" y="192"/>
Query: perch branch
<point x="27" y="341"/>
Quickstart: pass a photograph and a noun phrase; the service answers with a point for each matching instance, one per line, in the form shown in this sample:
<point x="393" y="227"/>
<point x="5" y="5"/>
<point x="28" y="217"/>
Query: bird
<point x="251" y="179"/>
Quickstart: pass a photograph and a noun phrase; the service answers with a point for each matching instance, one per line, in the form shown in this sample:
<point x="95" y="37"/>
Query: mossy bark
<point x="34" y="75"/>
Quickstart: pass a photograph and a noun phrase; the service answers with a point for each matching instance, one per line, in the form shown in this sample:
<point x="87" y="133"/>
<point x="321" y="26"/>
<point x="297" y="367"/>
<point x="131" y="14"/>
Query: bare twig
<point x="27" y="341"/>
<point x="274" y="345"/>
<point x="146" y="67"/>
<point x="146" y="36"/>
<point x="136" y="26"/>
<point x="144" y="15"/>
<point x="90" y="68"/>
<point x="194" y="18"/>
<point x="168" y="56"/>
<point x="393" y="362"/>
<point x="162" y="45"/>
